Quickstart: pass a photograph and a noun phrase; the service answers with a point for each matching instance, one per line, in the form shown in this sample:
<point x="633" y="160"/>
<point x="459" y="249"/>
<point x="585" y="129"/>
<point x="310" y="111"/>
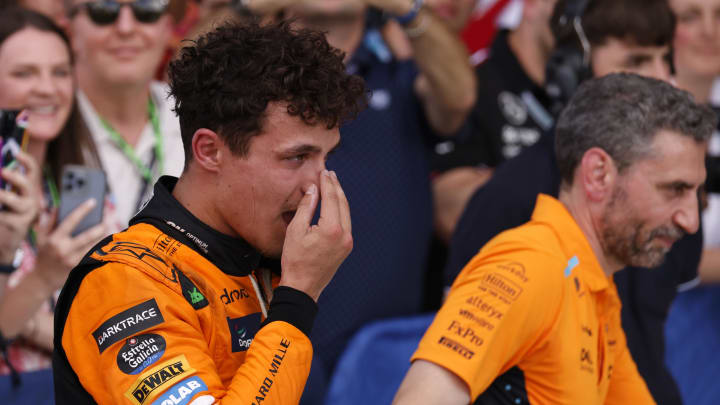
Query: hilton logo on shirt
<point x="502" y="286"/>
<point x="243" y="330"/>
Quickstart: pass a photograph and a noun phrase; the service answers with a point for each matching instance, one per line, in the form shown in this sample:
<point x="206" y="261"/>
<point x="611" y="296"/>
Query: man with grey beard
<point x="535" y="316"/>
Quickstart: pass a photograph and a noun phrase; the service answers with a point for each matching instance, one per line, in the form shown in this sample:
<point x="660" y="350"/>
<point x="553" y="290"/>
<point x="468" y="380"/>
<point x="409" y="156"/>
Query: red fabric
<point x="480" y="30"/>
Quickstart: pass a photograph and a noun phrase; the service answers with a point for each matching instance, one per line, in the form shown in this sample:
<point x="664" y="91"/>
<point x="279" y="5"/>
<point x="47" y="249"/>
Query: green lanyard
<point x="52" y="187"/>
<point x="54" y="201"/>
<point x="130" y="153"/>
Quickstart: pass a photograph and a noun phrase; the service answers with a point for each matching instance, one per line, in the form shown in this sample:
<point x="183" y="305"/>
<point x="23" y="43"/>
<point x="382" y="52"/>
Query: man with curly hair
<point x="210" y="295"/>
<point x="384" y="159"/>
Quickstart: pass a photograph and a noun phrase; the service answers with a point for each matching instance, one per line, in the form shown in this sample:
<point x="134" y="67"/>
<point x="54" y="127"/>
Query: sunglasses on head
<point x="106" y="12"/>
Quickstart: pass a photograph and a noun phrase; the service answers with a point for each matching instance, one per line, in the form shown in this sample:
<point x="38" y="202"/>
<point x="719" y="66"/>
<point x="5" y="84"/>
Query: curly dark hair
<point x="226" y="78"/>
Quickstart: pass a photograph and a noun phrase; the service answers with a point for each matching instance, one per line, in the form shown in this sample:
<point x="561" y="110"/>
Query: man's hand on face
<point x="312" y="253"/>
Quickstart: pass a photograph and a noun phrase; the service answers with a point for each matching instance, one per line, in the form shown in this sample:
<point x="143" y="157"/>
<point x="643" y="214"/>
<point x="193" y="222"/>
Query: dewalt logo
<point x="146" y="386"/>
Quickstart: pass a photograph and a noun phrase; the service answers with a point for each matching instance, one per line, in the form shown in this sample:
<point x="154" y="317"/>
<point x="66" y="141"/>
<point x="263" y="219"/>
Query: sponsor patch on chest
<point x="243" y="330"/>
<point x="127" y="323"/>
<point x="154" y="380"/>
<point x="139" y="352"/>
<point x="182" y="392"/>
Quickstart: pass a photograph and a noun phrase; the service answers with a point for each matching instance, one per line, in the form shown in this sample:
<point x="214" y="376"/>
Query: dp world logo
<point x="243" y="330"/>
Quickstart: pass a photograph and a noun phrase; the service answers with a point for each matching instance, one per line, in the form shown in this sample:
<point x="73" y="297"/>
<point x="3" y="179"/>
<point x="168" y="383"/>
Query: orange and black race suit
<point x="170" y="311"/>
<point x="534" y="319"/>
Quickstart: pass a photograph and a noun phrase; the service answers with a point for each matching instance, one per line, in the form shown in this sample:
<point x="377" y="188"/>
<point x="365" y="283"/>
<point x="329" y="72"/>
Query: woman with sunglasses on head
<point x="118" y="46"/>
<point x="38" y="79"/>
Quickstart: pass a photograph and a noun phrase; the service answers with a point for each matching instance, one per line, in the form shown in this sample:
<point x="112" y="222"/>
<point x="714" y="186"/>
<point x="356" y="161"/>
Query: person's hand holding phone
<point x="20" y="204"/>
<point x="58" y="250"/>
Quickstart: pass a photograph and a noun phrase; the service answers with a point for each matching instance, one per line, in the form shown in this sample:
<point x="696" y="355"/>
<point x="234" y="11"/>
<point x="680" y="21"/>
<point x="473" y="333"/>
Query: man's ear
<point x="597" y="174"/>
<point x="207" y="147"/>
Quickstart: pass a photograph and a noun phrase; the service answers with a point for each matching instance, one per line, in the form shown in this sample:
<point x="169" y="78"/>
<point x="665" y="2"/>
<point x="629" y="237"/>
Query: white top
<point x="124" y="180"/>
<point x="711" y="215"/>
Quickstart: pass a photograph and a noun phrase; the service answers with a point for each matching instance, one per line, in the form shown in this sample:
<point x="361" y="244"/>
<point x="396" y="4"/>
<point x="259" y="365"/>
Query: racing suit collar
<point x="233" y="256"/>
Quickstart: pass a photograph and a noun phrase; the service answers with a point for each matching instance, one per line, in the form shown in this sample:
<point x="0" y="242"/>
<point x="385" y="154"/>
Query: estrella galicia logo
<point x="127" y="323"/>
<point x="139" y="352"/>
<point x="190" y="291"/>
<point x="243" y="330"/>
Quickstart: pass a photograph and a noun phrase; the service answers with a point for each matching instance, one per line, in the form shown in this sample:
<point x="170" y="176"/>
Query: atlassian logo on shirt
<point x="243" y="330"/>
<point x="128" y="323"/>
<point x="139" y="352"/>
<point x="182" y="392"/>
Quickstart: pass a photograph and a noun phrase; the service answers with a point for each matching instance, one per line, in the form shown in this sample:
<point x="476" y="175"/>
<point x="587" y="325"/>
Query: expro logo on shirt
<point x="243" y="330"/>
<point x="128" y="323"/>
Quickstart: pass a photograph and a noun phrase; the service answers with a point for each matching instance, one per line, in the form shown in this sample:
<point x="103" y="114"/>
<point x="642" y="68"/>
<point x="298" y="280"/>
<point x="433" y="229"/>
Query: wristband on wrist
<point x="407" y="18"/>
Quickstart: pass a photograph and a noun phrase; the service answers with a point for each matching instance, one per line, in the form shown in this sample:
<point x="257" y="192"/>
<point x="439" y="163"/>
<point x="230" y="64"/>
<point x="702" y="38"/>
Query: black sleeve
<point x="294" y="307"/>
<point x="504" y="202"/>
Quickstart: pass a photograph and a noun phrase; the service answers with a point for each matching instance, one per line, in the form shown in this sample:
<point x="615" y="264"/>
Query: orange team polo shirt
<point x="534" y="303"/>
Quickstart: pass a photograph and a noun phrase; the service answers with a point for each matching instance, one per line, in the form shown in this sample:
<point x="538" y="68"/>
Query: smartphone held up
<point x="79" y="184"/>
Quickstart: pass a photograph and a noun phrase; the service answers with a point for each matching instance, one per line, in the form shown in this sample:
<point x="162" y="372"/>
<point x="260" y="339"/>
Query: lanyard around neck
<point x="50" y="187"/>
<point x="128" y="150"/>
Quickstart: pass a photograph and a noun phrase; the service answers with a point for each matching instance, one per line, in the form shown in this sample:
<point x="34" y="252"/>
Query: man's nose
<point x="126" y="20"/>
<point x="687" y="216"/>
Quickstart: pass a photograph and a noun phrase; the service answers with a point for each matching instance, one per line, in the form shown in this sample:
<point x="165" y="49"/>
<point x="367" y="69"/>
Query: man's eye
<point x="636" y="61"/>
<point x="678" y="190"/>
<point x="297" y="158"/>
<point x="21" y="74"/>
<point x="61" y="72"/>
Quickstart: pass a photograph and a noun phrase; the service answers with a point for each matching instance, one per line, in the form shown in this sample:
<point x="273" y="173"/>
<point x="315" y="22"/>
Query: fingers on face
<point x="306" y="208"/>
<point x="329" y="209"/>
<point x="335" y="212"/>
<point x="343" y="205"/>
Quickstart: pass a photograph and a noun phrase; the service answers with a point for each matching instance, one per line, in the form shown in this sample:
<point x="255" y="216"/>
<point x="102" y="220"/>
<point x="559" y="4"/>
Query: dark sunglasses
<point x="106" y="12"/>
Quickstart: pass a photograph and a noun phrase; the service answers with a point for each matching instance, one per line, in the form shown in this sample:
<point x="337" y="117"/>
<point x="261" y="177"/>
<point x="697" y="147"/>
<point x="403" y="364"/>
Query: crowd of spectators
<point x="451" y="150"/>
